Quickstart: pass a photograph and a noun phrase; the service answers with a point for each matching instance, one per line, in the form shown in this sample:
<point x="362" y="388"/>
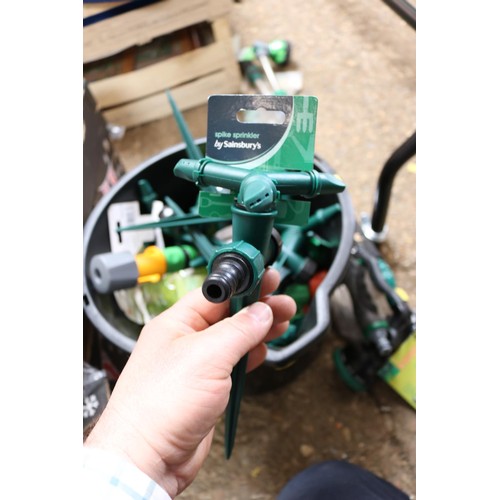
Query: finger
<point x="237" y="335"/>
<point x="256" y="357"/>
<point x="277" y="331"/>
<point x="258" y="354"/>
<point x="196" y="313"/>
<point x="283" y="306"/>
<point x="270" y="281"/>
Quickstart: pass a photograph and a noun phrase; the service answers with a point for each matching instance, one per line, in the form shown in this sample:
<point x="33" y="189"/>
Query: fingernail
<point x="260" y="311"/>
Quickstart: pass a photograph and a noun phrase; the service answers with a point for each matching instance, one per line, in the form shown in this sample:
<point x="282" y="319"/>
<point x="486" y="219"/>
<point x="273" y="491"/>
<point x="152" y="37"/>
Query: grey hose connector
<point x="113" y="271"/>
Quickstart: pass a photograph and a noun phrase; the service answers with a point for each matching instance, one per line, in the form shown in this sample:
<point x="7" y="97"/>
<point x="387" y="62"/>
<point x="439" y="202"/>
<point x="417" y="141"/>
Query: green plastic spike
<point x="188" y="220"/>
<point x="204" y="245"/>
<point x="147" y="194"/>
<point x="192" y="148"/>
<point x="238" y="376"/>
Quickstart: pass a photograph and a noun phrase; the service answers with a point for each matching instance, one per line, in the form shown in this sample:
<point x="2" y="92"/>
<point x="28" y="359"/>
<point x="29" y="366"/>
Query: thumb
<point x="238" y="334"/>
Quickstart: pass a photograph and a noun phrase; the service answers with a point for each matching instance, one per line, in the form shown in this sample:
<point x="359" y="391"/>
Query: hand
<point x="162" y="412"/>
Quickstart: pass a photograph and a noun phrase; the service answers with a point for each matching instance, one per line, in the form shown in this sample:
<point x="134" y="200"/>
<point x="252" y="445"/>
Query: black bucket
<point x="119" y="334"/>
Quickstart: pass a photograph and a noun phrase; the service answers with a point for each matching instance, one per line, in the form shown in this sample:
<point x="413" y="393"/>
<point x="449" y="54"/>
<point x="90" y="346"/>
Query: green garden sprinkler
<point x="258" y="187"/>
<point x="236" y="269"/>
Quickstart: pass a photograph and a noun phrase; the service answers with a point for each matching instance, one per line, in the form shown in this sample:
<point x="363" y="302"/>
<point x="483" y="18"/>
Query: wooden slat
<point x="221" y="29"/>
<point x="160" y="76"/>
<point x="89" y="9"/>
<point x="186" y="96"/>
<point x="139" y="26"/>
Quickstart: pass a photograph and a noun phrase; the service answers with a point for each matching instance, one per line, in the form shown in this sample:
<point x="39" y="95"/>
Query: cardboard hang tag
<point x="270" y="133"/>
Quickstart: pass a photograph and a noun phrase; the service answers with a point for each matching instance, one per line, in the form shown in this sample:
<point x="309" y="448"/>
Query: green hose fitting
<point x="353" y="381"/>
<point x="235" y="270"/>
<point x="179" y="256"/>
<point x="279" y="51"/>
<point x="300" y="294"/>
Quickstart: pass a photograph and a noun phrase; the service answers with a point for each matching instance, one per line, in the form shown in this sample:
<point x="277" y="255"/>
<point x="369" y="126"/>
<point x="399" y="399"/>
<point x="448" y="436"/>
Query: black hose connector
<point x="231" y="274"/>
<point x="381" y="341"/>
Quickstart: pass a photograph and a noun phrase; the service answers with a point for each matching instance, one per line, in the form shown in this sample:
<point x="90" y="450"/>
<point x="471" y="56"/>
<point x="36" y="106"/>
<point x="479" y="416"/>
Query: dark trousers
<point x="338" y="480"/>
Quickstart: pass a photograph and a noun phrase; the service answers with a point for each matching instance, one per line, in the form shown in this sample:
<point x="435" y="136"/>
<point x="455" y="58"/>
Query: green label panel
<point x="293" y="212"/>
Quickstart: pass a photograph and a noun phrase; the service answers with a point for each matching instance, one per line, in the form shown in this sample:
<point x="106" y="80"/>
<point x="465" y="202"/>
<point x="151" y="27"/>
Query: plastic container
<point x="119" y="334"/>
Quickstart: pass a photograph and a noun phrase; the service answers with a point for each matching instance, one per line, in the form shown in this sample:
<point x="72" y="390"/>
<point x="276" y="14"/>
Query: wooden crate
<point x="136" y="96"/>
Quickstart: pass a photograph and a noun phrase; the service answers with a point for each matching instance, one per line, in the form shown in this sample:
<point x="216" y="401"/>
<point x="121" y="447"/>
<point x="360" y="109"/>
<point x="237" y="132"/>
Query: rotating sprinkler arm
<point x="206" y="173"/>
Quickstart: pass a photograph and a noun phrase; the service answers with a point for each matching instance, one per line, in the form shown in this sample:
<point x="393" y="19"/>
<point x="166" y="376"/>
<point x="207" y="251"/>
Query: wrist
<point x="109" y="475"/>
<point x="125" y="442"/>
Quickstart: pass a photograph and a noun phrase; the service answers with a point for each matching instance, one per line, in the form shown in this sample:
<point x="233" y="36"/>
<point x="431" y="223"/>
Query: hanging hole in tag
<point x="261" y="115"/>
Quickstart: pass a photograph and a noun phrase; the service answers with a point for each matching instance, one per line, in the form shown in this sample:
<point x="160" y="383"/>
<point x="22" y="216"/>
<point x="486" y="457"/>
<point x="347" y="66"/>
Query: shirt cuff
<point x="111" y="477"/>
